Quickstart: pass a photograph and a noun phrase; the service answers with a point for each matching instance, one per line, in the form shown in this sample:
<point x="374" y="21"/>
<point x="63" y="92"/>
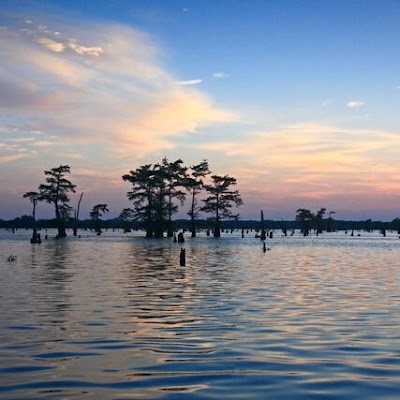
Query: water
<point x="116" y="317"/>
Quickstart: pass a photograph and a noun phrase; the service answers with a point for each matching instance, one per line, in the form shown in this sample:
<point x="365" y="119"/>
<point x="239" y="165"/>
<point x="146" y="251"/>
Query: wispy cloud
<point x="85" y="50"/>
<point x="312" y="158"/>
<point x="355" y="104"/>
<point x="43" y="143"/>
<point x="220" y="75"/>
<point x="189" y="82"/>
<point x="51" y="44"/>
<point x="11" y="158"/>
<point x="85" y="82"/>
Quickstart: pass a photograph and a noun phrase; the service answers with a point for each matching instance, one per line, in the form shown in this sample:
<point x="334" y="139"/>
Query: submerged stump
<point x="182" y="258"/>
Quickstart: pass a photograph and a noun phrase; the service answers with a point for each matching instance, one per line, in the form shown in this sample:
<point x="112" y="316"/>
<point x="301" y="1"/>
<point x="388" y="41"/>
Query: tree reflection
<point x="50" y="286"/>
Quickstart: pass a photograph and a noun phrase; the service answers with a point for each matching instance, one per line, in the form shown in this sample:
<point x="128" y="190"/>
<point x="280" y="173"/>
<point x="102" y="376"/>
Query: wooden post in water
<point x="263" y="235"/>
<point x="182" y="257"/>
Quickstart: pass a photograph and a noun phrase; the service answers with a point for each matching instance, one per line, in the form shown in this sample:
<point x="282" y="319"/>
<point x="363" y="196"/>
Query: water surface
<point x="117" y="317"/>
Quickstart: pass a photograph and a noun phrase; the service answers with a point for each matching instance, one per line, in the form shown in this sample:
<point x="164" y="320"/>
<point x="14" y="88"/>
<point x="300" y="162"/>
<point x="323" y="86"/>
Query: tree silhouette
<point x="319" y="220"/>
<point x="154" y="189"/>
<point x="367" y="225"/>
<point x="305" y="218"/>
<point x="263" y="235"/>
<point x="95" y="215"/>
<point x="144" y="182"/>
<point x="55" y="191"/>
<point x="65" y="211"/>
<point x="220" y="200"/>
<point x="126" y="218"/>
<point x="76" y="215"/>
<point x="396" y="224"/>
<point x="173" y="175"/>
<point x="194" y="184"/>
<point x="330" y="222"/>
<point x="34" y="198"/>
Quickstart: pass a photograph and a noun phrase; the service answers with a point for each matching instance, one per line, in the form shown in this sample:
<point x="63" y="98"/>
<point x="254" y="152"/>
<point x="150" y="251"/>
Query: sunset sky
<point x="299" y="100"/>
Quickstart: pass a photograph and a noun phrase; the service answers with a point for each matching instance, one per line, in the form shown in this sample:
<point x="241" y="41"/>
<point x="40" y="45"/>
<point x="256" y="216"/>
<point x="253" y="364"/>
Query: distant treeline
<point x="26" y="222"/>
<point x="157" y="191"/>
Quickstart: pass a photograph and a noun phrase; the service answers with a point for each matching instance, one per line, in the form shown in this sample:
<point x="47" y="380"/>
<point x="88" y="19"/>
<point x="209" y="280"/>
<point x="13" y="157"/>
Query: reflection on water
<point x="117" y="317"/>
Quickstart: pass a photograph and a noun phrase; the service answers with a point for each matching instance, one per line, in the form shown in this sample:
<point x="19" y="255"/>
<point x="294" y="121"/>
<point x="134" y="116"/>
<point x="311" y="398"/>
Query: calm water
<point x="116" y="317"/>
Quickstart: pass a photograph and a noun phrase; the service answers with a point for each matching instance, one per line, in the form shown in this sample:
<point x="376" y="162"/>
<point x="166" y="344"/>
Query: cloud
<point x="189" y="82"/>
<point x="43" y="143"/>
<point x="24" y="140"/>
<point x="220" y="75"/>
<point x="11" y="158"/>
<point x="85" y="50"/>
<point x="51" y="44"/>
<point x="95" y="96"/>
<point x="315" y="159"/>
<point x="73" y="44"/>
<point x="97" y="85"/>
<point x="354" y="104"/>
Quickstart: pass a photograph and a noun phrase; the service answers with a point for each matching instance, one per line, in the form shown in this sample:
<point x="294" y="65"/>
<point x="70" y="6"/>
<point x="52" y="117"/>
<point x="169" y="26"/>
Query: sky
<point x="298" y="100"/>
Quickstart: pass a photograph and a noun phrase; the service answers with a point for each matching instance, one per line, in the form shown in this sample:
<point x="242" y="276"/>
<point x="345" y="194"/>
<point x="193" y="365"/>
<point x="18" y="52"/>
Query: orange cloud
<point x="100" y="84"/>
<point x="315" y="160"/>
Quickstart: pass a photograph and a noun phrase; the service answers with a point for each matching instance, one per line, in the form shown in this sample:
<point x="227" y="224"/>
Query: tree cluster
<point x="157" y="188"/>
<point x="156" y="193"/>
<point x="55" y="191"/>
<point x="307" y="220"/>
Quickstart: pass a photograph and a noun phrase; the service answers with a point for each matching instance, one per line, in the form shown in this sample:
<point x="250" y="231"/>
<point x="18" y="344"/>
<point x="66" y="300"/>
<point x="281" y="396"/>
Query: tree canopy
<point x="194" y="185"/>
<point x="95" y="215"/>
<point x="34" y="198"/>
<point x="307" y="220"/>
<point x="157" y="188"/>
<point x="55" y="191"/>
<point x="157" y="191"/>
<point x="221" y="200"/>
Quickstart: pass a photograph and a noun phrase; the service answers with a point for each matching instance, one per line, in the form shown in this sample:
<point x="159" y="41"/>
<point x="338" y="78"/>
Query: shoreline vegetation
<point x="158" y="191"/>
<point x="183" y="225"/>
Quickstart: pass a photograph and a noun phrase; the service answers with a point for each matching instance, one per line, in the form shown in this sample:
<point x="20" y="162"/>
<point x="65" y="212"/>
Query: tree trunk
<point x="192" y="223"/>
<point x="77" y="216"/>
<point x="170" y="231"/>
<point x="61" y="232"/>
<point x="217" y="228"/>
<point x="158" y="233"/>
<point x="60" y="224"/>
<point x="159" y="228"/>
<point x="98" y="227"/>
<point x="35" y="237"/>
<point x="149" y="233"/>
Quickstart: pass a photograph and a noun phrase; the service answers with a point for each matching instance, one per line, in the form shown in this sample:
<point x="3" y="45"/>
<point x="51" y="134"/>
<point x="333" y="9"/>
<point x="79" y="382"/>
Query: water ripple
<point x="116" y="317"/>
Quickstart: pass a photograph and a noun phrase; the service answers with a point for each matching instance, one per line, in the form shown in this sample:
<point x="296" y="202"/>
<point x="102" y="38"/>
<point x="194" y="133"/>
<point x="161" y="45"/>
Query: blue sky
<point x="298" y="100"/>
